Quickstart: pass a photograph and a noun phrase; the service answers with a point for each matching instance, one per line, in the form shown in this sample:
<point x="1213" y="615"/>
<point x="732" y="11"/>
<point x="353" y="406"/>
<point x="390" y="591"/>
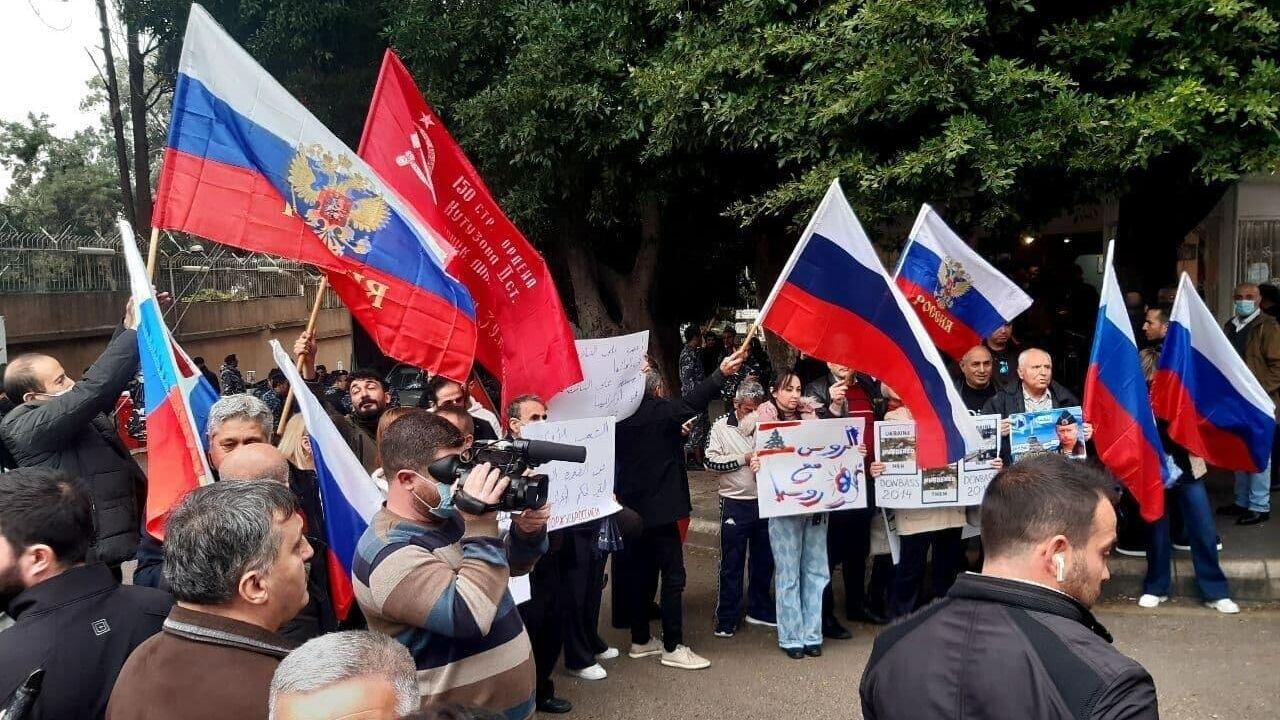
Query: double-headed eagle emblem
<point x="339" y="204"/>
<point x="953" y="281"/>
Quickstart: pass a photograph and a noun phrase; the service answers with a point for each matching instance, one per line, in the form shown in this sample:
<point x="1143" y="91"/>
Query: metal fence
<point x="44" y="262"/>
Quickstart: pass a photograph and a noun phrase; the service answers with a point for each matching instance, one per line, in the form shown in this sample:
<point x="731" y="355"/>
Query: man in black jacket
<point x="1048" y="527"/>
<point x="1035" y="391"/>
<point x="652" y="482"/>
<point x="63" y="425"/>
<point x="369" y="395"/>
<point x="73" y="619"/>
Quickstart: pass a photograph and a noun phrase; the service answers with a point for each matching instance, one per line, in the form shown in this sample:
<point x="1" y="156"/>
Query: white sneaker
<point x="685" y="659"/>
<point x="608" y="654"/>
<point x="1224" y="606"/>
<point x="762" y="623"/>
<point x="595" y="672"/>
<point x="1150" y="601"/>
<point x="649" y="649"/>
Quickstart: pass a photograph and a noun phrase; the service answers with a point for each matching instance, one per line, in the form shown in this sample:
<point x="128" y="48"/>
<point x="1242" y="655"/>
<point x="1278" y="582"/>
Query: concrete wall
<point x="76" y="328"/>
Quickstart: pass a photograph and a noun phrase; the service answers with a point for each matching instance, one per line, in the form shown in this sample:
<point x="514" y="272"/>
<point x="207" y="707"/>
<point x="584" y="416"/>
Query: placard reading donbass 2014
<point x="904" y="485"/>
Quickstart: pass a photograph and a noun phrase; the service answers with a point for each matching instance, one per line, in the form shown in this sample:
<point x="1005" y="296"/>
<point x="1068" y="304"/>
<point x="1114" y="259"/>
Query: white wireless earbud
<point x="1061" y="564"/>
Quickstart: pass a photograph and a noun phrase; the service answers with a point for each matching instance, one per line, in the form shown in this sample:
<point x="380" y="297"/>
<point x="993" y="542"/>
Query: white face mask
<point x="51" y="396"/>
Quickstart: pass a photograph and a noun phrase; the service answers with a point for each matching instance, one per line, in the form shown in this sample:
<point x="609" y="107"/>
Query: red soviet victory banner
<point x="523" y="336"/>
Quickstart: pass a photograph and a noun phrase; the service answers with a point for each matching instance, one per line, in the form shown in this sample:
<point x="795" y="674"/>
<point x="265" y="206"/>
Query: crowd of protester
<point x="231" y="611"/>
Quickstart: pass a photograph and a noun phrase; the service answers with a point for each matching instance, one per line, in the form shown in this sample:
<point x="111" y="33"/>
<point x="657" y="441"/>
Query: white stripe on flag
<point x="354" y="482"/>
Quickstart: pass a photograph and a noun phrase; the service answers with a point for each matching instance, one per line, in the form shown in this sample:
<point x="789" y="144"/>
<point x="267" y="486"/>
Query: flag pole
<point x="152" y="250"/>
<point x="311" y="326"/>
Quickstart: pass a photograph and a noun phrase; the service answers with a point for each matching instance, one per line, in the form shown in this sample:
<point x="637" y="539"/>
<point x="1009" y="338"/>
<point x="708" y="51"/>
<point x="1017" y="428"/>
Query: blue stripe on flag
<point x="920" y="266"/>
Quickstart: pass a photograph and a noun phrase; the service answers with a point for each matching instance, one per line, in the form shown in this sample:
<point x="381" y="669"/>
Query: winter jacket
<point x="199" y="667"/>
<point x="1038" y="654"/>
<point x="651" y="477"/>
<point x="1262" y="352"/>
<point x="72" y="433"/>
<point x="80" y="627"/>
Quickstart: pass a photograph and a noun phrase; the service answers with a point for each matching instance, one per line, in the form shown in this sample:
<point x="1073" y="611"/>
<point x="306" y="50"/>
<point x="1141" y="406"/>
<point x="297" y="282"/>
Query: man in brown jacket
<point x="1256" y="336"/>
<point x="235" y="560"/>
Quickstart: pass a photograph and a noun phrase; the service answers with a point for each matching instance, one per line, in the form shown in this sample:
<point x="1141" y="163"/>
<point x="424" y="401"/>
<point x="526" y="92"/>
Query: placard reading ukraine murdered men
<point x="904" y="485"/>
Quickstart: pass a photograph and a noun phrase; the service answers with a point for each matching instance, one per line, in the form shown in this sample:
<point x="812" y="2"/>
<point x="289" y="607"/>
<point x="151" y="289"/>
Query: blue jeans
<point x="1197" y="518"/>
<point x="800" y="575"/>
<point x="742" y="529"/>
<point x="1253" y="490"/>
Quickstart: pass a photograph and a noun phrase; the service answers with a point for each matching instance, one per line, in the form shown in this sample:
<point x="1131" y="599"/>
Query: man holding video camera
<point x="432" y="571"/>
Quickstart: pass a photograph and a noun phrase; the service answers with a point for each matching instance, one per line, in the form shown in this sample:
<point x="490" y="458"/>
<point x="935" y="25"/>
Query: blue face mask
<point x="1245" y="308"/>
<point x="445" y="509"/>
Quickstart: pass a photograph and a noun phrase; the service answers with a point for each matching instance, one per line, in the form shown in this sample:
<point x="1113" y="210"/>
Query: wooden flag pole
<point x="311" y="326"/>
<point x="152" y="250"/>
<point x="755" y="327"/>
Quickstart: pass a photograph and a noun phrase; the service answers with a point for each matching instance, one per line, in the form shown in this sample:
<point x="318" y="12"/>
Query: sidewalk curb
<point x="1252" y="579"/>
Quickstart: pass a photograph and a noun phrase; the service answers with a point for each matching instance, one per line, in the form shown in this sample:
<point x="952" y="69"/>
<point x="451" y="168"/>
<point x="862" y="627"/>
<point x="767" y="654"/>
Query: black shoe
<point x="813" y="650"/>
<point x="554" y="705"/>
<point x="794" y="653"/>
<point x="1253" y="518"/>
<point x="1231" y="510"/>
<point x="868" y="616"/>
<point x="835" y="631"/>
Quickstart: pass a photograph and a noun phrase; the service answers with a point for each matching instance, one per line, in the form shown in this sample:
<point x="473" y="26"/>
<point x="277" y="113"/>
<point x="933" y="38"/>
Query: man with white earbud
<point x="1048" y="528"/>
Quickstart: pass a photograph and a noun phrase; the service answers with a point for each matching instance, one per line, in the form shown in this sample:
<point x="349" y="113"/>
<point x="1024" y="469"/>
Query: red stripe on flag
<point x="172" y="469"/>
<point x="951" y="335"/>
<point x="861" y="345"/>
<point x="344" y="595"/>
<point x="1187" y="427"/>
<point x="1123" y="448"/>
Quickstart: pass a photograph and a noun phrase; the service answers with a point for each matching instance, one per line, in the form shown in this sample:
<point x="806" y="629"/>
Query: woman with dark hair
<point x="799" y="542"/>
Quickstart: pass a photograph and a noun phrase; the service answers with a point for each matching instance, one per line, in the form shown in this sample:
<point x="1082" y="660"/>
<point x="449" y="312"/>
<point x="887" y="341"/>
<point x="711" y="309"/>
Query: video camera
<point x="512" y="458"/>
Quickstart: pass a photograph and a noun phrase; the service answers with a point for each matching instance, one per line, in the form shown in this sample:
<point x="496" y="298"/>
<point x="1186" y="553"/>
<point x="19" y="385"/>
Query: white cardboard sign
<point x="578" y="492"/>
<point x="612" y="384"/>
<point x="811" y="466"/>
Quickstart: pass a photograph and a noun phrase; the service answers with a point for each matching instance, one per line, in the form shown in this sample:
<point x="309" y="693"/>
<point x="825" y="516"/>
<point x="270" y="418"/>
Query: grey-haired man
<point x="343" y="675"/>
<point x="236" y="562"/>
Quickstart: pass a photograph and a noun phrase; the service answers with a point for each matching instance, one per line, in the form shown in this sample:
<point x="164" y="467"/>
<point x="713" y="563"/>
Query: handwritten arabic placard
<point x="957" y="484"/>
<point x="810" y="466"/>
<point x="611" y="380"/>
<point x="579" y="492"/>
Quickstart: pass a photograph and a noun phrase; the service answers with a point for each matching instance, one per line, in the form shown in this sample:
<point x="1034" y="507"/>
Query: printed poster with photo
<point x="811" y="466"/>
<point x="958" y="484"/>
<point x="1060" y="430"/>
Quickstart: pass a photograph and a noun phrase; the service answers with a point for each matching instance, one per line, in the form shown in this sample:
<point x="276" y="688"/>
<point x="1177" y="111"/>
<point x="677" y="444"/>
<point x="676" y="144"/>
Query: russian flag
<point x="349" y="496"/>
<point x="246" y="165"/>
<point x="834" y="301"/>
<point x="178" y="398"/>
<point x="1117" y="403"/>
<point x="1215" y="407"/>
<point x="959" y="297"/>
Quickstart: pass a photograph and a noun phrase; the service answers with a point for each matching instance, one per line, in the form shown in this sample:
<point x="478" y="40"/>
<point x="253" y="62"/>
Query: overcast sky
<point x="45" y="64"/>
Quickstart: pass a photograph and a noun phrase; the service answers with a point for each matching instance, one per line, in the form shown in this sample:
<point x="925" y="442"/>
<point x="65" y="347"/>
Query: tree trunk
<point x="117" y="118"/>
<point x="765" y="268"/>
<point x="141" y="146"/>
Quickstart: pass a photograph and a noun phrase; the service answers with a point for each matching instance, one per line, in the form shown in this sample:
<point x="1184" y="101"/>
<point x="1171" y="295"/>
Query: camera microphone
<point x="546" y="451"/>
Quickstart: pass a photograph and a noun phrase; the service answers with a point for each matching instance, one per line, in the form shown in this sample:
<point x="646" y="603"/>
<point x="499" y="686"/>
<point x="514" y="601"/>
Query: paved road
<point x="1205" y="666"/>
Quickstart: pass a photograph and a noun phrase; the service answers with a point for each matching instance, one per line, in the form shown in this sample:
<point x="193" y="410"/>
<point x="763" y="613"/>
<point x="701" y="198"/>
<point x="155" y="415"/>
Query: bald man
<point x="256" y="461"/>
<point x="1256" y="337"/>
<point x="261" y="461"/>
<point x="974" y="383"/>
<point x="1035" y="391"/>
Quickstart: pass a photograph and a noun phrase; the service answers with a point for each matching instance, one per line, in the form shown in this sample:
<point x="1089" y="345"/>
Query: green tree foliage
<point x="58" y="182"/>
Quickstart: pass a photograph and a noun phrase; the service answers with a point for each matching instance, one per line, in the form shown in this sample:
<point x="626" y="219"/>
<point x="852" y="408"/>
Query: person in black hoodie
<point x="652" y="482"/>
<point x="72" y="618"/>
